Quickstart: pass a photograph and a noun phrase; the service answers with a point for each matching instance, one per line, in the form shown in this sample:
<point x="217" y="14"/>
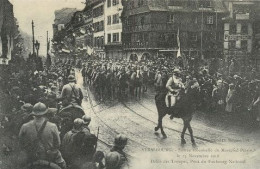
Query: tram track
<point x="127" y="107"/>
<point x="197" y="137"/>
<point x="112" y="131"/>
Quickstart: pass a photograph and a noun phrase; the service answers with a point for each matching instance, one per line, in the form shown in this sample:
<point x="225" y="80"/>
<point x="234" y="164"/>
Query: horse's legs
<point x="139" y="90"/>
<point x="185" y="126"/>
<point x="160" y="126"/>
<point x="162" y="131"/>
<point x="135" y="90"/>
<point x="191" y="133"/>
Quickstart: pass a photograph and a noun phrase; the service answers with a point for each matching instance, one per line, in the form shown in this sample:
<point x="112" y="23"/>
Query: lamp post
<point x="33" y="36"/>
<point x="37" y="47"/>
<point x="201" y="35"/>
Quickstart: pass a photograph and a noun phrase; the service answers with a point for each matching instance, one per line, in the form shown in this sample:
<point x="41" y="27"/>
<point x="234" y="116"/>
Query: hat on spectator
<point x="27" y="107"/>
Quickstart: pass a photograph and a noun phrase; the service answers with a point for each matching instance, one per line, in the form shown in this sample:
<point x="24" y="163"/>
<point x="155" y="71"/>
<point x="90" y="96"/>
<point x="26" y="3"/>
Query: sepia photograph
<point x="129" y="84"/>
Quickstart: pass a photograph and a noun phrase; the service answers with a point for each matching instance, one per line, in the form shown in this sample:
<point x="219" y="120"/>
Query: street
<point x="136" y="84"/>
<point x="137" y="119"/>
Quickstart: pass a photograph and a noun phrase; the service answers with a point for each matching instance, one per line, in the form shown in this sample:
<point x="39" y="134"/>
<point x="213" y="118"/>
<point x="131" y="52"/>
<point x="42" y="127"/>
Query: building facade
<point x="7" y="31"/>
<point x="98" y="27"/>
<point x="113" y="29"/>
<point x="240" y="30"/>
<point x="152" y="27"/>
<point x="62" y="17"/>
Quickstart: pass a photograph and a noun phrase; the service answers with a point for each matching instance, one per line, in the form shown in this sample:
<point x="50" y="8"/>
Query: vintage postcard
<point x="137" y="84"/>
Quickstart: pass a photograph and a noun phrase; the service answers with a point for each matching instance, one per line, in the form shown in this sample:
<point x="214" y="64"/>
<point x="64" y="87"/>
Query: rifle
<point x="97" y="140"/>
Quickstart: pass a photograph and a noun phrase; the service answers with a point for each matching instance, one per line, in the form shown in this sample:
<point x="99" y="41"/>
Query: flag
<point x="48" y="45"/>
<point x="179" y="44"/>
<point x="89" y="50"/>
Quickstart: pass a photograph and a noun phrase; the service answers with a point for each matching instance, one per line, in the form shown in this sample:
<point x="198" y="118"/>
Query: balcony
<point x="148" y="45"/>
<point x="139" y="45"/>
<point x="114" y="43"/>
<point x="168" y="27"/>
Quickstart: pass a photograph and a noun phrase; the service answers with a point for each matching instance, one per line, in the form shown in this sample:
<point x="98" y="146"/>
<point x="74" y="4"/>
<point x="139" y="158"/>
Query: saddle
<point x="172" y="97"/>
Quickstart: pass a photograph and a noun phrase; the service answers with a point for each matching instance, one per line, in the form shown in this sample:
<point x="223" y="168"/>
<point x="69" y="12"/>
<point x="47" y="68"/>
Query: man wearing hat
<point x="40" y="139"/>
<point x="174" y="86"/>
<point x="75" y="145"/>
<point x="116" y="158"/>
<point x="71" y="93"/>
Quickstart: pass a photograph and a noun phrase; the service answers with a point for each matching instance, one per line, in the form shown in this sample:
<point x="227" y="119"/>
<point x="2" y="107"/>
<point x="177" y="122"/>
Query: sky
<point x="42" y="12"/>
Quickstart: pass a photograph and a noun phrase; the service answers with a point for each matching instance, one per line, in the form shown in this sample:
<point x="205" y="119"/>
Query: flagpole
<point x="201" y="40"/>
<point x="47" y="42"/>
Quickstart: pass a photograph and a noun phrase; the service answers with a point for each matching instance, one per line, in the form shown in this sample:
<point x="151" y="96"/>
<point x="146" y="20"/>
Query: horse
<point x="42" y="164"/>
<point x="136" y="83"/>
<point x="184" y="108"/>
<point x="67" y="115"/>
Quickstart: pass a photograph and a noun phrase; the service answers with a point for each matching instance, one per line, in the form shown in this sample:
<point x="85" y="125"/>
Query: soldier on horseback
<point x="71" y="93"/>
<point x="174" y="86"/>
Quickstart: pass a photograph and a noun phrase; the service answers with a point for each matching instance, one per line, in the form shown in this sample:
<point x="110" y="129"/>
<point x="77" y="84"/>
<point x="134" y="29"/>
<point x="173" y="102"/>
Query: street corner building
<point x="8" y="29"/>
<point x="242" y="32"/>
<point x="201" y="30"/>
<point x="153" y="28"/>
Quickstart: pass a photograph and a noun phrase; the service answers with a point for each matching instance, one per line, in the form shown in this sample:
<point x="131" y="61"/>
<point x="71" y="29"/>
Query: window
<point x="205" y="3"/>
<point x="132" y="4"/>
<point x="96" y="42"/>
<point x="109" y="20"/>
<point x="210" y="20"/>
<point x="98" y="11"/>
<point x="109" y="38"/>
<point x="244" y="44"/>
<point x="195" y="19"/>
<point x="115" y="18"/>
<point x="101" y="41"/>
<point x="140" y="3"/>
<point x="193" y="36"/>
<point x="142" y="20"/>
<point x="101" y="25"/>
<point x="115" y="37"/>
<point x="233" y="29"/>
<point x="244" y="29"/>
<point x="232" y="44"/>
<point x="108" y="3"/>
<point x="175" y="3"/>
<point x="171" y="18"/>
<point x="115" y="2"/>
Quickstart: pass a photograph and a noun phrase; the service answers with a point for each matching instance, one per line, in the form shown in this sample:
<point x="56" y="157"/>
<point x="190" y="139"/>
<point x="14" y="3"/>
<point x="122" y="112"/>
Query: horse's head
<point x="193" y="89"/>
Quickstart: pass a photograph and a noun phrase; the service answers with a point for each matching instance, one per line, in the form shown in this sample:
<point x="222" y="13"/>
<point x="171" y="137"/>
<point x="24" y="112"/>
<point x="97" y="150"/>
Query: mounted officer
<point x="174" y="86"/>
